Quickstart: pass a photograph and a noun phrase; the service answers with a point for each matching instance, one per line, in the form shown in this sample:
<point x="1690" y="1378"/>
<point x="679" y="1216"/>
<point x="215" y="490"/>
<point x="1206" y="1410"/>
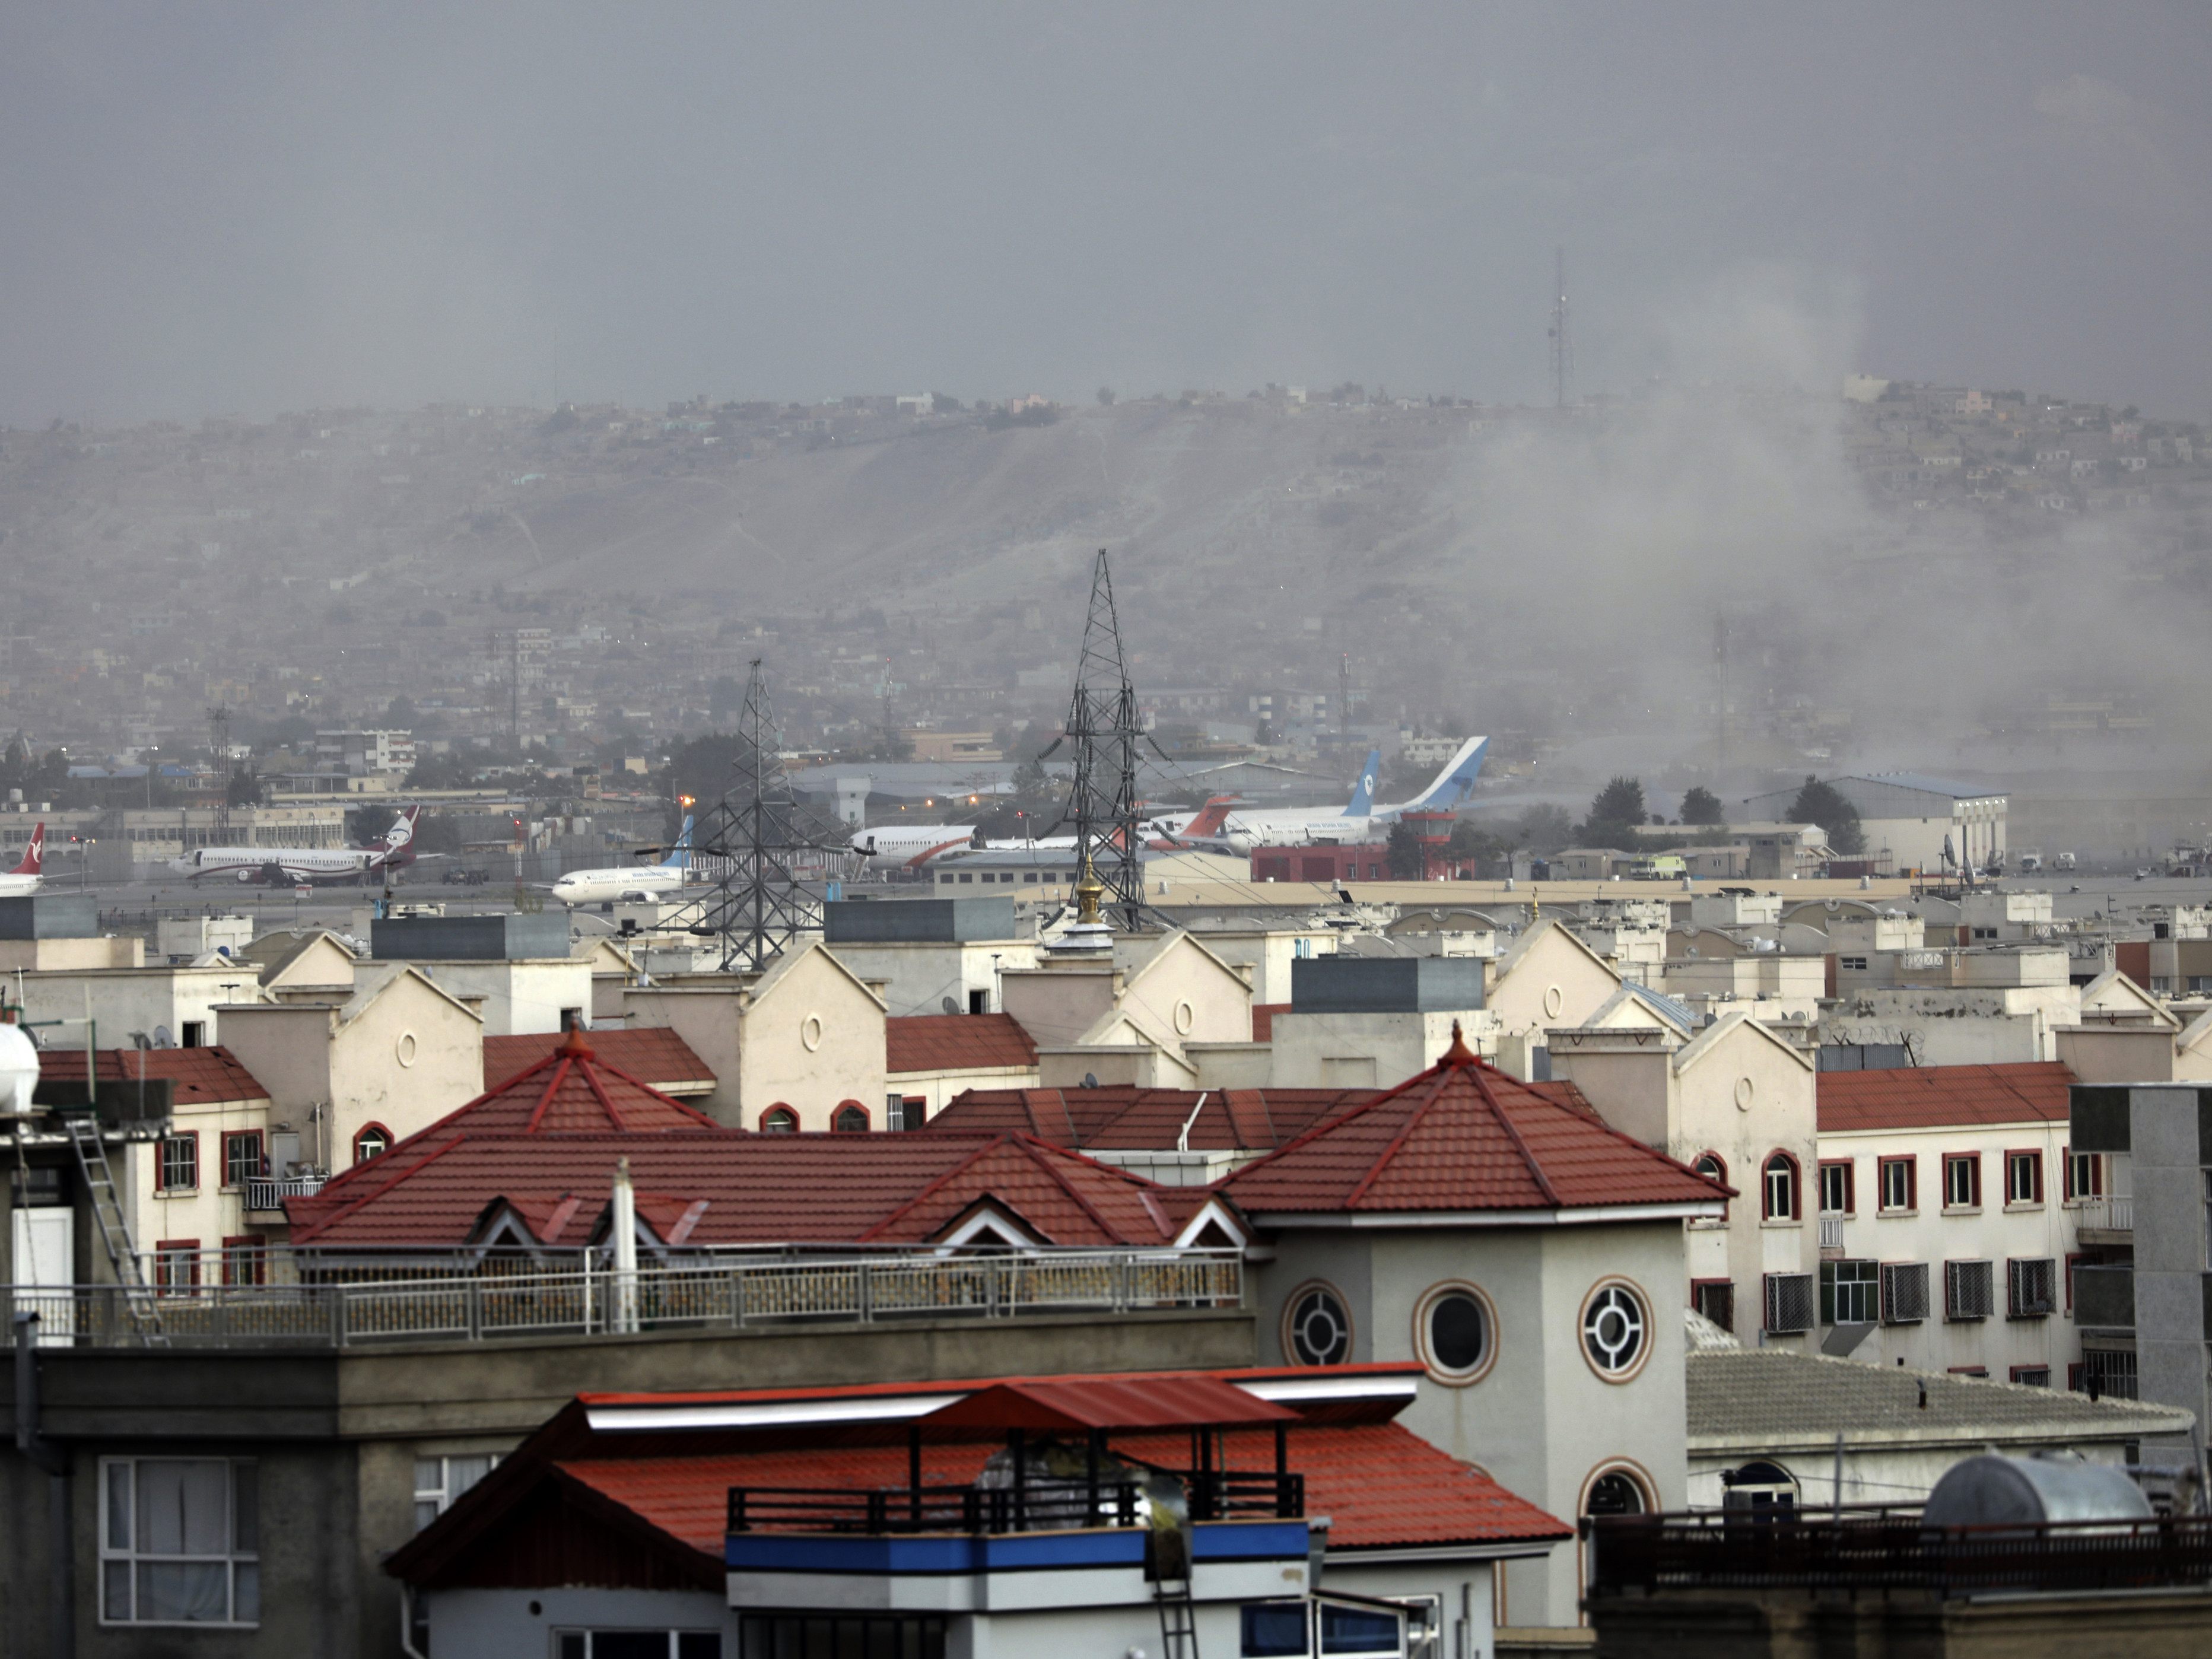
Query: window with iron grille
<point x="1789" y="1303"/>
<point x="1716" y="1299"/>
<point x="1962" y="1180"/>
<point x="1969" y="1290"/>
<point x="2031" y="1287"/>
<point x="1849" y="1292"/>
<point x="180" y="1162"/>
<point x="1904" y="1293"/>
<point x="2032" y="1376"/>
<point x="2108" y="1373"/>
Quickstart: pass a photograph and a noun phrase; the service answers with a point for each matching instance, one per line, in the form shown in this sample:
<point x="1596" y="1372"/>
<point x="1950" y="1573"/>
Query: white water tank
<point x="19" y="1067"/>
<point x="1992" y="1490"/>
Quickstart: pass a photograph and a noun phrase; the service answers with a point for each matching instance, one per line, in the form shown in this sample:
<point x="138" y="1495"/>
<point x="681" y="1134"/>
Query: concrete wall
<point x="407" y="1058"/>
<point x="917" y="975"/>
<point x="1055" y="1005"/>
<point x="520" y="996"/>
<point x="1358" y="1051"/>
<point x="2168" y="1132"/>
<point x="1555" y="982"/>
<point x="811" y="1036"/>
<point x="127" y="1000"/>
<point x="2118" y="1054"/>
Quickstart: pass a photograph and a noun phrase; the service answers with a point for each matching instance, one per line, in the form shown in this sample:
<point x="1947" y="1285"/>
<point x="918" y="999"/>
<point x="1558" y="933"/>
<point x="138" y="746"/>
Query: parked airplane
<point x="910" y="846"/>
<point x="285" y="866"/>
<point x="1170" y="834"/>
<point x="27" y="877"/>
<point x="628" y="881"/>
<point x="1361" y="819"/>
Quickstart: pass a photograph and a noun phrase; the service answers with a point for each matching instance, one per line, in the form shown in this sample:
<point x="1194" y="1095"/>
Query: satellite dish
<point x="949" y="1005"/>
<point x="162" y="1039"/>
<point x="1091" y="1079"/>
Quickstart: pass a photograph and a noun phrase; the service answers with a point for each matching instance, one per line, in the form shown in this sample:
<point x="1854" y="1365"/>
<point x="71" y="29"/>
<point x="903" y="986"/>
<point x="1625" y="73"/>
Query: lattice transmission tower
<point x="1562" y="345"/>
<point x="1102" y="725"/>
<point x="759" y="906"/>
<point x="218" y="719"/>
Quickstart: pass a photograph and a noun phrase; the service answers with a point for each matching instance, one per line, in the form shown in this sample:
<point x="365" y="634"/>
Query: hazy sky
<point x="215" y="207"/>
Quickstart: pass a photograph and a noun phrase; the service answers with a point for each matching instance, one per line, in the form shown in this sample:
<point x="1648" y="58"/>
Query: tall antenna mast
<point x="1102" y="722"/>
<point x="758" y="907"/>
<point x="1563" y="350"/>
<point x="1344" y="692"/>
<point x="219" y="729"/>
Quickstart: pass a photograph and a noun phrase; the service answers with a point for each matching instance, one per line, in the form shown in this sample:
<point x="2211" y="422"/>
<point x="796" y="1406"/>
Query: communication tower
<point x="759" y="906"/>
<point x="1102" y="725"/>
<point x="218" y="719"/>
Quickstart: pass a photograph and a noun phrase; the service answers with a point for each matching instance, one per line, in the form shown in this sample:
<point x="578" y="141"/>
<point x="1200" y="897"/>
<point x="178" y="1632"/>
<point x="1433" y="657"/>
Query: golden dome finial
<point x="1089" y="889"/>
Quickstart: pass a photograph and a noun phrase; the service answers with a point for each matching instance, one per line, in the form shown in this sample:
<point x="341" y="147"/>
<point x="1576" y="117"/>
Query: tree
<point x="400" y="712"/>
<point x="245" y="789"/>
<point x="1473" y="845"/>
<point x="1701" y="805"/>
<point x="1616" y="814"/>
<point x="1106" y="397"/>
<point x="1402" y="852"/>
<point x="1546" y="828"/>
<point x="1820" y="803"/>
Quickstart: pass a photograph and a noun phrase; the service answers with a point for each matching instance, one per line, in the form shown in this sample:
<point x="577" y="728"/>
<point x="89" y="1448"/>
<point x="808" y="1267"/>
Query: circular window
<point x="1616" y="1330"/>
<point x="1744" y="1091"/>
<point x="779" y="1119"/>
<point x="809" y="1032"/>
<point x="1455" y="1334"/>
<point x="1555" y="1000"/>
<point x="1316" y="1330"/>
<point x="405" y="1048"/>
<point x="1185" y="1018"/>
<point x="1616" y="1491"/>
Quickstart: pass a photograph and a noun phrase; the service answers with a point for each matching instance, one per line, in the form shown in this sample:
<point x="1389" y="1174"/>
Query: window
<point x="176" y="1265"/>
<point x="1714" y="1167"/>
<point x="1851" y="1293"/>
<point x="773" y="1635"/>
<point x="1899" y="1184"/>
<point x="1968" y="1290"/>
<point x="2085" y="1174"/>
<point x="178" y="1541"/>
<point x="1316" y="1330"/>
<point x="245" y="1259"/>
<point x="2033" y="1377"/>
<point x="1616" y="1492"/>
<point x="374" y="1140"/>
<point x="195" y="1033"/>
<point x="1616" y="1327"/>
<point x="241" y="1157"/>
<point x="180" y="1162"/>
<point x="1779" y="1182"/>
<point x="1962" y="1180"/>
<point x="979" y="1002"/>
<point x="439" y="1480"/>
<point x="779" y="1119"/>
<point x="1716" y="1299"/>
<point x="1351" y="1628"/>
<point x="851" y="1118"/>
<point x="1904" y="1293"/>
<point x="2023" y="1177"/>
<point x="1271" y="1629"/>
<point x="1855" y="964"/>
<point x="1836" y="1194"/>
<point x="1452" y="1332"/>
<point x="907" y="1112"/>
<point x="695" y="1643"/>
<point x="2105" y="1373"/>
<point x="2031" y="1287"/>
<point x="1789" y="1303"/>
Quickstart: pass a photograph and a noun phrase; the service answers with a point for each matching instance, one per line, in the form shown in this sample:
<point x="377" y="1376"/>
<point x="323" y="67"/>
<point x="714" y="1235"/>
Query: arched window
<point x="1713" y="1166"/>
<point x="851" y="1118"/>
<point x="1316" y="1329"/>
<point x="1780" y="1186"/>
<point x="779" y="1119"/>
<point x="372" y="1139"/>
<point x="1616" y="1491"/>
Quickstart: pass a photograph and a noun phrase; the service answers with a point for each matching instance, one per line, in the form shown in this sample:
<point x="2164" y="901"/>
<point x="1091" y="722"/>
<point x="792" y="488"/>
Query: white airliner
<point x="628" y="881"/>
<point x="25" y="877"/>
<point x="910" y="846"/>
<point x="1358" y="822"/>
<point x="278" y="865"/>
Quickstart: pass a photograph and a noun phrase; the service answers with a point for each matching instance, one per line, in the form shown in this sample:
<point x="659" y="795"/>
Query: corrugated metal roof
<point x="1931" y="1097"/>
<point x="956" y="1042"/>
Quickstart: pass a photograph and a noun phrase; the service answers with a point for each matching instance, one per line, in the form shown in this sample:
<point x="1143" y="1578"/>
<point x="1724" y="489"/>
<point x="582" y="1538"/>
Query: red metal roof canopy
<point x="1080" y="1404"/>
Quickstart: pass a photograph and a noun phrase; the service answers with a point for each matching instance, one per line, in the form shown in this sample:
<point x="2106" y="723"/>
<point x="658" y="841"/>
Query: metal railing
<point x="2114" y="1214"/>
<point x="1640" y="1554"/>
<point x="270" y="1192"/>
<point x="592" y="1301"/>
<point x="1049" y="1506"/>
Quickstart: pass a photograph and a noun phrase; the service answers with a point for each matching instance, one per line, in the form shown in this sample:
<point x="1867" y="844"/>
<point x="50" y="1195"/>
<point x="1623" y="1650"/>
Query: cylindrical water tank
<point x="19" y="1067"/>
<point x="1989" y="1490"/>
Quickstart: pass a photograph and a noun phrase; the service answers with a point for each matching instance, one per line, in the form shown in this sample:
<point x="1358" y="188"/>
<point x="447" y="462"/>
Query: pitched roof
<point x="1463" y="1136"/>
<point x="1776" y="1399"/>
<point x="957" y="1043"/>
<point x="202" y="1076"/>
<point x="1122" y="1117"/>
<point x="653" y="1054"/>
<point x="1933" y="1096"/>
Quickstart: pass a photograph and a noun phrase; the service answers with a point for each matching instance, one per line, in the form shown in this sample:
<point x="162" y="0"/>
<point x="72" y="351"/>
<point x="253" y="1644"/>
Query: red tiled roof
<point x="1932" y="1097"/>
<point x="1463" y="1136"/>
<point x="653" y="1053"/>
<point x="727" y="1186"/>
<point x="955" y="1042"/>
<point x="1123" y="1118"/>
<point x="1381" y="1485"/>
<point x="202" y="1076"/>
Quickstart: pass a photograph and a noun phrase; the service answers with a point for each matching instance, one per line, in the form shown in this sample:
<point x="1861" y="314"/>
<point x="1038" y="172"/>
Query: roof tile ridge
<point x="560" y="1063"/>
<point x="345" y="1210"/>
<point x="1325" y="1125"/>
<point x="1398" y="1141"/>
<point x="1030" y="1148"/>
<point x="1489" y="1097"/>
<point x="591" y="1075"/>
<point x="930" y="1187"/>
<point x="637" y="1082"/>
<point x="1626" y="1139"/>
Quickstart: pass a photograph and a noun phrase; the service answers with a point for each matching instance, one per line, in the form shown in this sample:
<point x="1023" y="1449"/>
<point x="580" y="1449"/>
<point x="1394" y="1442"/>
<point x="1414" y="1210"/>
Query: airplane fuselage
<point x="604" y="886"/>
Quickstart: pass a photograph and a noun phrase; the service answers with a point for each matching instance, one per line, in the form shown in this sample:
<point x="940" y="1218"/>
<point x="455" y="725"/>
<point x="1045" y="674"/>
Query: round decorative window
<point x="1316" y="1330"/>
<point x="1455" y="1334"/>
<point x="809" y="1032"/>
<point x="405" y="1048"/>
<point x="1745" y="1089"/>
<point x="1555" y="1000"/>
<point x="1185" y="1018"/>
<point x="1616" y="1330"/>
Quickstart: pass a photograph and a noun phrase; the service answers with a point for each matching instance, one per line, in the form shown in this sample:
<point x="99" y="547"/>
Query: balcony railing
<point x="180" y="1310"/>
<point x="269" y="1193"/>
<point x="1053" y="1506"/>
<point x="1736" y="1550"/>
<point x="2115" y="1214"/>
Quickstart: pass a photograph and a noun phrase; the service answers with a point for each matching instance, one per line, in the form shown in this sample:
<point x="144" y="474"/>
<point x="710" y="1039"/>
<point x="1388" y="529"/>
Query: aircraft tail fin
<point x="680" y="855"/>
<point x="398" y="847"/>
<point x="1363" y="792"/>
<point x="1211" y="819"/>
<point x="1455" y="783"/>
<point x="34" y="854"/>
